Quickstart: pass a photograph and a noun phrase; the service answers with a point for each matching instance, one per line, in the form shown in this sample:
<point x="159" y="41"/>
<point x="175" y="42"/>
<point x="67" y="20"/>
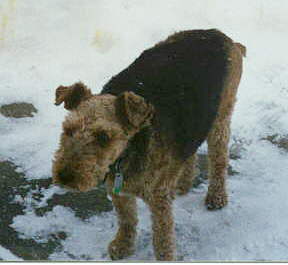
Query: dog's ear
<point x="133" y="111"/>
<point x="72" y="96"/>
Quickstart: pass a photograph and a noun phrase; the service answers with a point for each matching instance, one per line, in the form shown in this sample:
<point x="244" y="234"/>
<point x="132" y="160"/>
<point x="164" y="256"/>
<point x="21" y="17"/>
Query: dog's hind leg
<point x="218" y="137"/>
<point x="123" y="244"/>
<point x="185" y="180"/>
<point x="218" y="140"/>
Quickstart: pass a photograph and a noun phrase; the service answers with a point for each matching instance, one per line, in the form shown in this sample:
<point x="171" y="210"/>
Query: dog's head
<point x="95" y="133"/>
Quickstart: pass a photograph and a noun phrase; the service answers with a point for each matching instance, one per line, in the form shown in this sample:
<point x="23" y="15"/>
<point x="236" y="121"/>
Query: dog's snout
<point x="66" y="175"/>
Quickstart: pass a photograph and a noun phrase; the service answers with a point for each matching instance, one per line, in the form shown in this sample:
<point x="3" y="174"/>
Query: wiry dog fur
<point x="157" y="112"/>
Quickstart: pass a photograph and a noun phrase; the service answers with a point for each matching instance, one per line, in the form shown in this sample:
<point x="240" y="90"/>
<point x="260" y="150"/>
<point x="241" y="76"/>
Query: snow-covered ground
<point x="50" y="42"/>
<point x="7" y="255"/>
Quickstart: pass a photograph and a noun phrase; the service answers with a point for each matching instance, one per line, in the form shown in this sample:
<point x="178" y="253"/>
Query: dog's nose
<point x="66" y="175"/>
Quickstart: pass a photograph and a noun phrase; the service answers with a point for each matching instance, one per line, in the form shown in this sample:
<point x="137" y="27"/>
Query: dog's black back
<point x="183" y="77"/>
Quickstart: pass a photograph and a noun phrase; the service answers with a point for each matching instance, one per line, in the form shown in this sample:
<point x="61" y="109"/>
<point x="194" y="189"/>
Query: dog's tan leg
<point x="185" y="180"/>
<point x="124" y="242"/>
<point x="218" y="137"/>
<point x="163" y="226"/>
<point x="217" y="164"/>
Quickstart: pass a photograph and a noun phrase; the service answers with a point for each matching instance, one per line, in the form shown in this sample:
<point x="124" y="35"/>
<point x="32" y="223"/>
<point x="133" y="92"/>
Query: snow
<point x="7" y="255"/>
<point x="58" y="42"/>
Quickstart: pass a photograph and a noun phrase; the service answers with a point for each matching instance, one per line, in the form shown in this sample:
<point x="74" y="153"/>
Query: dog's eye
<point x="102" y="138"/>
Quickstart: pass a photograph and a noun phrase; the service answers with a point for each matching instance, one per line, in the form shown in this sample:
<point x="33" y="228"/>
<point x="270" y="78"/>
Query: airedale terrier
<point x="141" y="133"/>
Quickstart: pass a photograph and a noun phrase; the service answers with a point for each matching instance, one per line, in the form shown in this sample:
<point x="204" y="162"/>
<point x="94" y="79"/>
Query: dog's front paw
<point x="120" y="249"/>
<point x="216" y="201"/>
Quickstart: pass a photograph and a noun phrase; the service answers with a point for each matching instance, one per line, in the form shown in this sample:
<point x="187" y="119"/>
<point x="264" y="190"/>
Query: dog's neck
<point x="133" y="158"/>
<point x="135" y="161"/>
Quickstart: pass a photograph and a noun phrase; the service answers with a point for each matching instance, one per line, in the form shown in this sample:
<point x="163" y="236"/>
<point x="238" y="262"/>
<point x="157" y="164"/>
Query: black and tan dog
<point x="142" y="131"/>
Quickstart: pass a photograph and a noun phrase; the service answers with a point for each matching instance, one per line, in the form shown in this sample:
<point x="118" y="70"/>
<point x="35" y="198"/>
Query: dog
<point x="141" y="133"/>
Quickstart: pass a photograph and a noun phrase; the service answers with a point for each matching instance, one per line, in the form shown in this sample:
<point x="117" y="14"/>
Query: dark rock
<point x="18" y="110"/>
<point x="279" y="141"/>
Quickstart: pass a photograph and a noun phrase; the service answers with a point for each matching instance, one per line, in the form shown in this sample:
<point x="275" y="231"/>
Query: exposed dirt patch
<point x="279" y="141"/>
<point x="18" y="110"/>
<point x="84" y="204"/>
